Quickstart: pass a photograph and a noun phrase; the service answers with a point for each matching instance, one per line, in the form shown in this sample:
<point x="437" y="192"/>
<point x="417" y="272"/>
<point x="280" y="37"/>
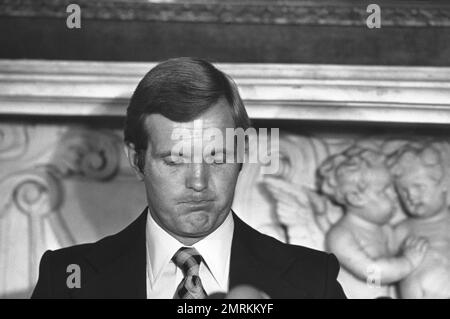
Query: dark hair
<point x="180" y="89"/>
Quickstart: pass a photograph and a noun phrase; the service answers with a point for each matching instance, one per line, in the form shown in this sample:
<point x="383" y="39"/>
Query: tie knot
<point x="188" y="259"/>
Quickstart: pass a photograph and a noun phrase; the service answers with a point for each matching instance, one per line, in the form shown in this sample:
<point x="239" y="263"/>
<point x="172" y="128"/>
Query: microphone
<point x="216" y="295"/>
<point x="246" y="292"/>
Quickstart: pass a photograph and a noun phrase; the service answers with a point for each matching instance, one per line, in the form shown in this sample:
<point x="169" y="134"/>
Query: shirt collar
<point x="214" y="248"/>
<point x="216" y="251"/>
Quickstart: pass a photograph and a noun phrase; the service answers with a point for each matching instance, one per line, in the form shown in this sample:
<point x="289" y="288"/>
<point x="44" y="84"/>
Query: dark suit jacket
<point x="115" y="267"/>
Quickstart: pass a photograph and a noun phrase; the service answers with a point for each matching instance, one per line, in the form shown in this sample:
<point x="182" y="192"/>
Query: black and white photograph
<point x="225" y="149"/>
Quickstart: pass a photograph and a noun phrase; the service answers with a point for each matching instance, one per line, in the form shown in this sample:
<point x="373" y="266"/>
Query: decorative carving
<point x="262" y="12"/>
<point x="37" y="194"/>
<point x="363" y="239"/>
<point x="32" y="192"/>
<point x="388" y="94"/>
<point x="34" y="177"/>
<point x="89" y="154"/>
<point x="35" y="191"/>
<point x="13" y="141"/>
<point x="375" y="250"/>
<point x="299" y="158"/>
<point x="421" y="177"/>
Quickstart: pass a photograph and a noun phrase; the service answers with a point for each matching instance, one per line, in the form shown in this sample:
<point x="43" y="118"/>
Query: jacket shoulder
<point x="312" y="271"/>
<point x="280" y="251"/>
<point x="108" y="247"/>
<point x="77" y="251"/>
<point x="56" y="266"/>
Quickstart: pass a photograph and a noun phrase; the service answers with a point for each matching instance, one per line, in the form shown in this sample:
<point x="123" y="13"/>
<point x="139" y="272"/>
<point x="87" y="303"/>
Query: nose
<point x="412" y="195"/>
<point x="198" y="176"/>
<point x="391" y="193"/>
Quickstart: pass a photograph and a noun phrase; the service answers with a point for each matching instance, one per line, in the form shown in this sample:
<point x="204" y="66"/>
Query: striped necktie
<point x="188" y="260"/>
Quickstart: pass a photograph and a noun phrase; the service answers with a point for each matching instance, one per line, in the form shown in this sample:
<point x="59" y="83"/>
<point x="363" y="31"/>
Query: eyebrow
<point x="163" y="154"/>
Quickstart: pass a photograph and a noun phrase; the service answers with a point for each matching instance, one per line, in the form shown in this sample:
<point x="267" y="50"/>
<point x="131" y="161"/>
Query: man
<point x="187" y="243"/>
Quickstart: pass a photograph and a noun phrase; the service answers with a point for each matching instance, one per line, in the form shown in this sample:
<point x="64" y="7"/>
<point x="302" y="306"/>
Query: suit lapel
<point x="251" y="263"/>
<point x="119" y="264"/>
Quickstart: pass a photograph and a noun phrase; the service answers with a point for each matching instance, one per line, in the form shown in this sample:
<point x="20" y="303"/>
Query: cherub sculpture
<point x="362" y="238"/>
<point x="421" y="180"/>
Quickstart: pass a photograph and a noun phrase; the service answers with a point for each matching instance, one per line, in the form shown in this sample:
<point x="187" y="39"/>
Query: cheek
<point x="429" y="196"/>
<point x="224" y="180"/>
<point x="438" y="199"/>
<point x="389" y="202"/>
<point x="403" y="196"/>
<point x="386" y="204"/>
<point x="164" y="181"/>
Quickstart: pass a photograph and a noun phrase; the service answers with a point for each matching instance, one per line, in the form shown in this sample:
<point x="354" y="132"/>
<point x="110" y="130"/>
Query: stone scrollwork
<point x="88" y="154"/>
<point x="33" y="191"/>
<point x="30" y="202"/>
<point x="37" y="192"/>
<point x="13" y="141"/>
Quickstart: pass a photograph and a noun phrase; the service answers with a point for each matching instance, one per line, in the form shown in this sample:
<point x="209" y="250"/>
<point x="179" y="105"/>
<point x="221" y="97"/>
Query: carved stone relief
<point x="38" y="164"/>
<point x="388" y="244"/>
<point x="68" y="184"/>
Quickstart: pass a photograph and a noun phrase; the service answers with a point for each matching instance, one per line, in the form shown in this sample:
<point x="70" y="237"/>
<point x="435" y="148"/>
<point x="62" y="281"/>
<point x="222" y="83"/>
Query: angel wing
<point x="294" y="210"/>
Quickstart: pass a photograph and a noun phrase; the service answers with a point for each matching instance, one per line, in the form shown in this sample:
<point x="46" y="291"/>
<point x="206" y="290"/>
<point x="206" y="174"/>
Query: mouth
<point x="197" y="204"/>
<point x="415" y="206"/>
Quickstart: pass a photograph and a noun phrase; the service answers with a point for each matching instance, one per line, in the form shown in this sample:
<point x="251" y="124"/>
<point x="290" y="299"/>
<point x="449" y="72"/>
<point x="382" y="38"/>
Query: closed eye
<point x="173" y="160"/>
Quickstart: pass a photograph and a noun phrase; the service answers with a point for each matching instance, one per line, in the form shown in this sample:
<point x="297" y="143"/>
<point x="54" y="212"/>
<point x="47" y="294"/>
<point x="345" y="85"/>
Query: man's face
<point x="421" y="195"/>
<point x="188" y="199"/>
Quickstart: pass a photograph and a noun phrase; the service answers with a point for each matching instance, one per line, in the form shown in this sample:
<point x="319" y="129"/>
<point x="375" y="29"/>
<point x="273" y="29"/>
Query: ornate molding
<point x="270" y="91"/>
<point x="35" y="192"/>
<point x="13" y="141"/>
<point x="325" y="12"/>
<point x="88" y="154"/>
<point x="315" y="213"/>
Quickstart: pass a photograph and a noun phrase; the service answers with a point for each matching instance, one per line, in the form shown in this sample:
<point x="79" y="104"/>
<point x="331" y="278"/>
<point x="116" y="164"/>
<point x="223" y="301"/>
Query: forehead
<point x="160" y="128"/>
<point x="417" y="174"/>
<point x="378" y="177"/>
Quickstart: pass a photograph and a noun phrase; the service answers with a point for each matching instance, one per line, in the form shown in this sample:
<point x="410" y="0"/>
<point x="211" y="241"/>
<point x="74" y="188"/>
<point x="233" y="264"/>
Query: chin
<point x="421" y="214"/>
<point x="386" y="219"/>
<point x="197" y="222"/>
<point x="197" y="232"/>
<point x="197" y="216"/>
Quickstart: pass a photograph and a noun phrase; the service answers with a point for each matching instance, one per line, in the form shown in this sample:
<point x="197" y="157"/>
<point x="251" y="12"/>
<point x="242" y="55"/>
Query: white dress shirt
<point x="163" y="276"/>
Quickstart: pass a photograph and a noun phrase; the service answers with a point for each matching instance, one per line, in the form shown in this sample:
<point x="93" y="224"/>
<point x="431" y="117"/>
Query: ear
<point x="132" y="156"/>
<point x="355" y="199"/>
